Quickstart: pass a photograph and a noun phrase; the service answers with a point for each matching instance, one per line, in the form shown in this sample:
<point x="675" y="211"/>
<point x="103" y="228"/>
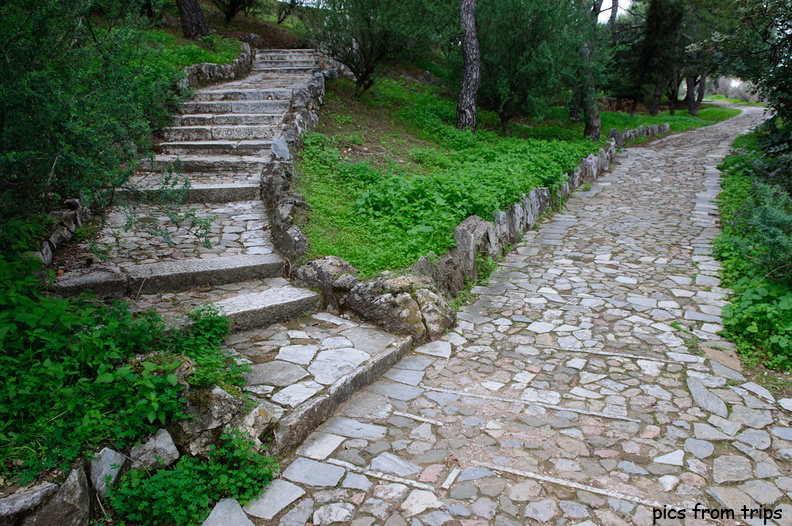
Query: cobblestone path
<point x="585" y="385"/>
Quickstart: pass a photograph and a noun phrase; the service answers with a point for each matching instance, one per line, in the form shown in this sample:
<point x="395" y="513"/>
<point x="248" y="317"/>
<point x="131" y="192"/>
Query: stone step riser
<point x="298" y="70"/>
<point x="248" y="312"/>
<point x="291" y="63"/>
<point x="205" y="133"/>
<point x="241" y="106"/>
<point x="230" y="165"/>
<point x="242" y="95"/>
<point x="220" y="148"/>
<point x="204" y="193"/>
<point x="231" y="119"/>
<point x="174" y="276"/>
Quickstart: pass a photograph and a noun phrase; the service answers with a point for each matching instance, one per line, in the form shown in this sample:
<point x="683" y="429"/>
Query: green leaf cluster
<point x="756" y="251"/>
<point x="78" y="372"/>
<point x="183" y="495"/>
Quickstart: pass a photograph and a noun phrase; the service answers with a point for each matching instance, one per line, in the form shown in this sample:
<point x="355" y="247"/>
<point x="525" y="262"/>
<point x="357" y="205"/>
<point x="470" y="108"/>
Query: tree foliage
<point x="78" y="98"/>
<point x="526" y="48"/>
<point x="364" y="34"/>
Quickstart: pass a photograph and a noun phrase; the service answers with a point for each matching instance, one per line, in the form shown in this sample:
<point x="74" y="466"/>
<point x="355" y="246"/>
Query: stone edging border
<point x="409" y="304"/>
<point x="200" y="75"/>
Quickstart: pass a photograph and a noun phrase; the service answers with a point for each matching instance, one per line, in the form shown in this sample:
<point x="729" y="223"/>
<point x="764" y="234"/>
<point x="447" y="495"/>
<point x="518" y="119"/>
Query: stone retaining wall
<point x="67" y="222"/>
<point x="205" y="74"/>
<point x="410" y="304"/>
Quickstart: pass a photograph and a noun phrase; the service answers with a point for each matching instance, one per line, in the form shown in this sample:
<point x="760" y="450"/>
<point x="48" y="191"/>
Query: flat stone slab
<point x="276" y="373"/>
<point x="227" y="512"/>
<point x="390" y="463"/>
<point x="705" y="399"/>
<point x="348" y="427"/>
<point x="313" y="473"/>
<point x="275" y="498"/>
<point x="330" y="365"/>
<point x="437" y="348"/>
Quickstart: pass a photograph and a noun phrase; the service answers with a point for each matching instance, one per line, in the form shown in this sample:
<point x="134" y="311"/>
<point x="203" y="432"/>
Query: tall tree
<point x="364" y="34"/>
<point x="192" y="19"/>
<point x="526" y="49"/>
<point x="466" y="102"/>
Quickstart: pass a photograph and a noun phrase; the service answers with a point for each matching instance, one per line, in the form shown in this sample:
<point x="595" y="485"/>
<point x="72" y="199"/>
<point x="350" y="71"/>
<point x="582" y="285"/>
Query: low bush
<point x="78" y="372"/>
<point x="183" y="495"/>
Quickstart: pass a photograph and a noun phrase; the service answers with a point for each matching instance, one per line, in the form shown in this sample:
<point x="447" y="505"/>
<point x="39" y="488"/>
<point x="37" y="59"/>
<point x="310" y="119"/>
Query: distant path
<point x="567" y="394"/>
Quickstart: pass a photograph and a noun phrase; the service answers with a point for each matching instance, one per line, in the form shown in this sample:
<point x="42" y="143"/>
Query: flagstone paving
<point x="585" y="385"/>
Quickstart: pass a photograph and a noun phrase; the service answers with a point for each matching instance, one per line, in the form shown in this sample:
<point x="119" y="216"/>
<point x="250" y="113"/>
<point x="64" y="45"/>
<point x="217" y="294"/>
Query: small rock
<point x="333" y="513"/>
<point x="418" y="501"/>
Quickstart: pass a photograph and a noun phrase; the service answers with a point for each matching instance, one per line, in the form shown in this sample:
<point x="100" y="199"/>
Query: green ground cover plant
<point x="385" y="210"/>
<point x="756" y="251"/>
<point x="79" y="372"/>
<point x="184" y="494"/>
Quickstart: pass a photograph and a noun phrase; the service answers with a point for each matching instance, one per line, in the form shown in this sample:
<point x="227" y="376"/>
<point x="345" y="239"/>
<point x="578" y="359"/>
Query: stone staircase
<point x="221" y="143"/>
<point x="301" y="367"/>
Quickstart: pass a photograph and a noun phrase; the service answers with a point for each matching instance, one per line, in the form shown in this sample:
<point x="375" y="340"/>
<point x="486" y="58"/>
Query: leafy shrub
<point x="184" y="494"/>
<point x="759" y="321"/>
<point x="756" y="251"/>
<point x="77" y="371"/>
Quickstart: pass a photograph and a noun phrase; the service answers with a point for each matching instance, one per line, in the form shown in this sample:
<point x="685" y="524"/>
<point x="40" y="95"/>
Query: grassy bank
<point x="388" y="176"/>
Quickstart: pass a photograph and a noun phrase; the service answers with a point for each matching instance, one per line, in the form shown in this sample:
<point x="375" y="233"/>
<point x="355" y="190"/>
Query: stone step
<point x="293" y="70"/>
<point x="310" y="62"/>
<point x="246" y="147"/>
<point x="237" y="106"/>
<point x="207" y="133"/>
<point x="278" y="53"/>
<point x="242" y="94"/>
<point x="202" y="193"/>
<point x="260" y="309"/>
<point x="229" y="119"/>
<point x="168" y="276"/>
<point x="206" y="163"/>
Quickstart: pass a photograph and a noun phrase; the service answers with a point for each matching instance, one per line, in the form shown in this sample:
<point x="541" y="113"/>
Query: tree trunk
<point x="654" y="107"/>
<point x="633" y="107"/>
<point x="702" y="87"/>
<point x="466" y="103"/>
<point x="576" y="105"/>
<point x="504" y="118"/>
<point x="690" y="96"/>
<point x="614" y="13"/>
<point x="192" y="19"/>
<point x="590" y="109"/>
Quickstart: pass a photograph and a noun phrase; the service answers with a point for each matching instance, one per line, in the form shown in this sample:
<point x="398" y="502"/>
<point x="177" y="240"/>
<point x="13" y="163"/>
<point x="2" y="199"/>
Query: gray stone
<point x="784" y="433"/>
<point x="356" y="481"/>
<point x="333" y="513"/>
<point x="319" y="446"/>
<point x="699" y="448"/>
<point x="484" y="508"/>
<point x="296" y="394"/>
<point x="705" y="399"/>
<point x="459" y="510"/>
<point x="276" y="372"/>
<point x="275" y="498"/>
<point x="731" y="468"/>
<point x="727" y="426"/>
<point x="330" y="365"/>
<point x="474" y="473"/>
<point x="762" y="491"/>
<point x="71" y="505"/>
<point x="313" y="473"/>
<point x="158" y="451"/>
<point x="300" y="514"/>
<point x="726" y="372"/>
<point x="434" y="518"/>
<point x="676" y="458"/>
<point x="26" y="498"/>
<point x="751" y="417"/>
<point x="350" y="428"/>
<point x="755" y="438"/>
<point x="390" y="463"/>
<point x="105" y="469"/>
<point x="573" y="509"/>
<point x="418" y="501"/>
<point x="707" y="432"/>
<point x="731" y="498"/>
<point x="280" y="148"/>
<point x="369" y="406"/>
<point x="441" y="349"/>
<point x="542" y="510"/>
<point x="622" y="507"/>
<point x="227" y="512"/>
<point x="397" y="391"/>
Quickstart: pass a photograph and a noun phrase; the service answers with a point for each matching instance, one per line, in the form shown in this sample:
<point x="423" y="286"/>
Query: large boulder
<point x="209" y="412"/>
<point x="403" y="304"/>
<point x="157" y="451"/>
